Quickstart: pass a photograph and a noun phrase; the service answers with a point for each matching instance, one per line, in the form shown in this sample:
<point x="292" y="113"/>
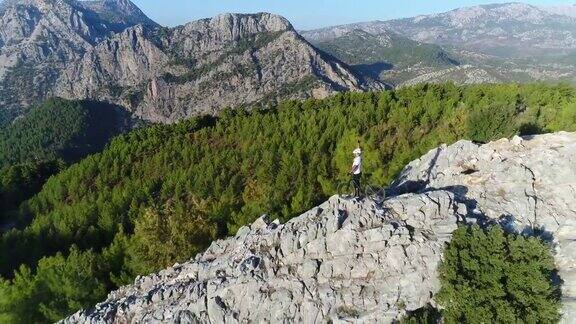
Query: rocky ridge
<point x="357" y="261"/>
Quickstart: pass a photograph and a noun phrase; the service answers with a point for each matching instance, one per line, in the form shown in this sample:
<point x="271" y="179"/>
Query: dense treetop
<point x="59" y="129"/>
<point x="489" y="276"/>
<point x="51" y="135"/>
<point x="160" y="194"/>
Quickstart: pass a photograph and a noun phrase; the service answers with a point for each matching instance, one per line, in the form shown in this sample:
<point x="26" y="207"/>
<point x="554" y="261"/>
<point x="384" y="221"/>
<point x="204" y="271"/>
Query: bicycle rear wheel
<point x="378" y="195"/>
<point x="346" y="189"/>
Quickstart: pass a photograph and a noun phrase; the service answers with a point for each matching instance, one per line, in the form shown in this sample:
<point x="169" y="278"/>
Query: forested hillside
<point x="158" y="195"/>
<point x="60" y="129"/>
<point x="20" y="182"/>
<point x="51" y="135"/>
<point x="373" y="54"/>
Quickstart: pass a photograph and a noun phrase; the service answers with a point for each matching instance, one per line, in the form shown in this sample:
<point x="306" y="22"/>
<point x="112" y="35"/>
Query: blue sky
<point x="308" y="14"/>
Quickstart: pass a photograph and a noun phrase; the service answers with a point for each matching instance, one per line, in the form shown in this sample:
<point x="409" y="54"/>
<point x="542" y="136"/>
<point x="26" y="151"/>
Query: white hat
<point x="357" y="151"/>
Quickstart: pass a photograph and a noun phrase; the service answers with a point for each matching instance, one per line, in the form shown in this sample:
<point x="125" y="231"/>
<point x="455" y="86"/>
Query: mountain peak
<point x="118" y="11"/>
<point x="262" y="21"/>
<point x="233" y="26"/>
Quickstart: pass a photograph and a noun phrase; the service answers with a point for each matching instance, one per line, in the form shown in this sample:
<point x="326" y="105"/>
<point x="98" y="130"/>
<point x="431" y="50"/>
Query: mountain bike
<point x="374" y="193"/>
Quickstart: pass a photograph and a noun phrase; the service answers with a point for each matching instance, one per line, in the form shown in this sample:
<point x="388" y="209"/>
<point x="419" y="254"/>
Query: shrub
<point x="489" y="276"/>
<point x="424" y="315"/>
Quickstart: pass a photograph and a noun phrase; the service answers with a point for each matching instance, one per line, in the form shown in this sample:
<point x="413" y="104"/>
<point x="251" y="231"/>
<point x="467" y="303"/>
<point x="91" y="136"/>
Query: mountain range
<point x="506" y="30"/>
<point x="110" y="51"/>
<point x="489" y="43"/>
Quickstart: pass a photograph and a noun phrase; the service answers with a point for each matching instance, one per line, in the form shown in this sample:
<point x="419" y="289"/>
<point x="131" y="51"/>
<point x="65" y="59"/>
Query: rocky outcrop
<point x="357" y="261"/>
<point x="526" y="184"/>
<point x="108" y="50"/>
<point x="342" y="261"/>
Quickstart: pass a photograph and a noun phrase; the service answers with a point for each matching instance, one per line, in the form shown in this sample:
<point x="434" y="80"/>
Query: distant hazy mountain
<point x="110" y="51"/>
<point x="373" y="54"/>
<point x="512" y="29"/>
<point x="493" y="43"/>
<point x="507" y="30"/>
<point x="567" y="10"/>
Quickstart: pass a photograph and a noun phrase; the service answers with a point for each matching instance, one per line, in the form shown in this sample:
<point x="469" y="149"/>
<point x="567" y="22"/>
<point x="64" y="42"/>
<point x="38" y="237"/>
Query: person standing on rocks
<point x="357" y="170"/>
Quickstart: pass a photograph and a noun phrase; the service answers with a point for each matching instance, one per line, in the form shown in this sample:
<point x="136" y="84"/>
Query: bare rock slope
<point x="348" y="260"/>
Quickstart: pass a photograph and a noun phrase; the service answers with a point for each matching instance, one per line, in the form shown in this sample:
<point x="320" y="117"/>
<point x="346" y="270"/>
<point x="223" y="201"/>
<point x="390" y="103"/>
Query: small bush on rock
<point x="424" y="315"/>
<point x="489" y="276"/>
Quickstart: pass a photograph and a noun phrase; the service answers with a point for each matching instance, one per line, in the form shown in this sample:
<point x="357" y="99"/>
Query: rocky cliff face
<point x="168" y="74"/>
<point x="357" y="261"/>
<point x="109" y="50"/>
<point x="41" y="38"/>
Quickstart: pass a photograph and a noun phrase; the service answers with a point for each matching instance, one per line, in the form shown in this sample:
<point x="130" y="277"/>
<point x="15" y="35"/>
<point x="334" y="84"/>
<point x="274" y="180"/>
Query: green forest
<point x="160" y="194"/>
<point x="60" y="129"/>
<point x="50" y="136"/>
